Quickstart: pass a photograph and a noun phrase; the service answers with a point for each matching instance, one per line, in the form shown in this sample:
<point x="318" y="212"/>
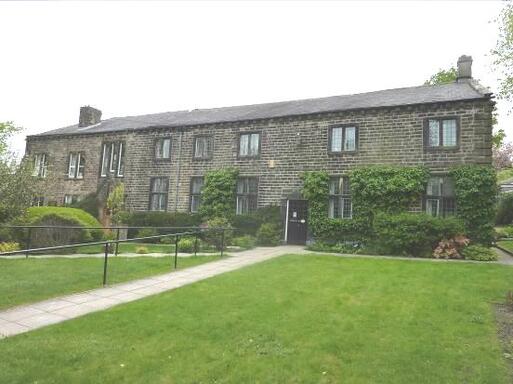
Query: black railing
<point x="194" y="231"/>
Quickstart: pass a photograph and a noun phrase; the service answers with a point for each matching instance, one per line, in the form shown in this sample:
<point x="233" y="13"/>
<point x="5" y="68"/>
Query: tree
<point x="443" y="76"/>
<point x="17" y="186"/>
<point x="116" y="202"/>
<point x="503" y="52"/>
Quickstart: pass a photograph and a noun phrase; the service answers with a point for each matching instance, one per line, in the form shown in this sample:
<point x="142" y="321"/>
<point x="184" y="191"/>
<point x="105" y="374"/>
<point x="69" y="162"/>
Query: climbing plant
<point x="219" y="194"/>
<point x="476" y="195"/>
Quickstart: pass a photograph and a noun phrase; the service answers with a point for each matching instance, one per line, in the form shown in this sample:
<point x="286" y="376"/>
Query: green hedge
<point x="160" y="219"/>
<point x="218" y="194"/>
<point x="476" y="196"/>
<point x="249" y="224"/>
<point x="504" y="214"/>
<point x="414" y="234"/>
<point x="59" y="216"/>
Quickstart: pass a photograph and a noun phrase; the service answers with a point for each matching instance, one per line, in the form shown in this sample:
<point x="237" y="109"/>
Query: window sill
<point x="442" y="149"/>
<point x="341" y="153"/>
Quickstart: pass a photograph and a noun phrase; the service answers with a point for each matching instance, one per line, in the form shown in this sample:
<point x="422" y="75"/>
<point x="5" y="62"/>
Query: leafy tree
<point x="503" y="52"/>
<point x="17" y="186"/>
<point x="443" y="76"/>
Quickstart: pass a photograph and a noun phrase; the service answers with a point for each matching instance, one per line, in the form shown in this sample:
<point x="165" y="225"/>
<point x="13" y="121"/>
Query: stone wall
<point x="289" y="146"/>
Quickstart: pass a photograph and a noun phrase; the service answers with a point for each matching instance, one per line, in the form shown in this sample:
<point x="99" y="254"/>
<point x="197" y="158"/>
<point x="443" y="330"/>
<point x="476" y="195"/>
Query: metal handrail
<point x="117" y="241"/>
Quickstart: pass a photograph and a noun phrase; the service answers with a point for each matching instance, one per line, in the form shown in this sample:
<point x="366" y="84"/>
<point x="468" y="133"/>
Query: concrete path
<point x="25" y="318"/>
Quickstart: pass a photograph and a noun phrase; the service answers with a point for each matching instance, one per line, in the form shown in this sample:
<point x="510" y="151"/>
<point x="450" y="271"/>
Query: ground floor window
<point x="71" y="199"/>
<point x="247" y="195"/>
<point x="340" y="204"/>
<point x="196" y="187"/>
<point x="38" y="201"/>
<point x="159" y="187"/>
<point x="440" y="199"/>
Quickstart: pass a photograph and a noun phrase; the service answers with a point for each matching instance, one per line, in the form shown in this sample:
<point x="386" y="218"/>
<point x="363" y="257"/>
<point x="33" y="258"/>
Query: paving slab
<point x="25" y="318"/>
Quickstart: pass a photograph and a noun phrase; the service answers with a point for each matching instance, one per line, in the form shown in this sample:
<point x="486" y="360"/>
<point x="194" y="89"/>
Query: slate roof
<point x="387" y="98"/>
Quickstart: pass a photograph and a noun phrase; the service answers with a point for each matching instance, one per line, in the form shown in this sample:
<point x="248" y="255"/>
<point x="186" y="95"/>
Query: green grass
<point x="508" y="244"/>
<point x="129" y="248"/>
<point x="505" y="174"/>
<point x="295" y="319"/>
<point x="29" y="280"/>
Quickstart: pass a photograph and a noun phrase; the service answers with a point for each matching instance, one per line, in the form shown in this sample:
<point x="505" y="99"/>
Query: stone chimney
<point x="464" y="69"/>
<point x="89" y="116"/>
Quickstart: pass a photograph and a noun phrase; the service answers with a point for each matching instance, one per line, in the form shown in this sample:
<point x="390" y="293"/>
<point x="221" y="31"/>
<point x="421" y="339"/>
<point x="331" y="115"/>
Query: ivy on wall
<point x="218" y="194"/>
<point x="388" y="189"/>
<point x="476" y="194"/>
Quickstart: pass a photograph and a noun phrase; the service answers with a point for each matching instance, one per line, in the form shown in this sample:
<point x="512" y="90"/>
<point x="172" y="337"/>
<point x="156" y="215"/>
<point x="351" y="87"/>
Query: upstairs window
<point x="340" y="204"/>
<point x="247" y="195"/>
<point x="343" y="139"/>
<point x="76" y="165"/>
<point x="203" y="147"/>
<point x="196" y="187"/>
<point x="441" y="133"/>
<point x="40" y="165"/>
<point x="249" y="145"/>
<point x="440" y="199"/>
<point x="159" y="187"/>
<point x="113" y="159"/>
<point x="163" y="148"/>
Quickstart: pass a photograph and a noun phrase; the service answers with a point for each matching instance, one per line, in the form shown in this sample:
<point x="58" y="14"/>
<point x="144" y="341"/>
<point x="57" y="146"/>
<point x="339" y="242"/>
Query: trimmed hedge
<point x="249" y="224"/>
<point x="413" y="234"/>
<point x="59" y="216"/>
<point x="160" y="219"/>
<point x="504" y="214"/>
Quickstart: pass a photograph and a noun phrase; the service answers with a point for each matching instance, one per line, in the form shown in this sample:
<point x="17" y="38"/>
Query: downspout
<point x="178" y="170"/>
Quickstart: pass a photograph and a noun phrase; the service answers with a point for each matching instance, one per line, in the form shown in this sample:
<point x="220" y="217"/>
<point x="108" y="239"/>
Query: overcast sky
<point x="144" y="57"/>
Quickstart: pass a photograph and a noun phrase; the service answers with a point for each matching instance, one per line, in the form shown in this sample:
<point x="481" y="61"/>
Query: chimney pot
<point x="89" y="116"/>
<point x="464" y="69"/>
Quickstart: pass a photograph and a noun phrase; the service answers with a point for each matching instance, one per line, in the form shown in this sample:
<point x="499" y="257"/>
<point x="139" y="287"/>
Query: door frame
<point x="287" y="219"/>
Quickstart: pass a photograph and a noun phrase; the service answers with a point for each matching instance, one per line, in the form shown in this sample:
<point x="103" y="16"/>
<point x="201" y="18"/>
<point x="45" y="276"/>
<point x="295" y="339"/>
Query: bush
<point x="142" y="250"/>
<point x="167" y="240"/>
<point x="504" y="209"/>
<point x="161" y="219"/>
<point x="213" y="236"/>
<point x="218" y="193"/>
<point x="59" y="216"/>
<point x="450" y="248"/>
<point x="478" y="252"/>
<point x="246" y="224"/>
<point x="9" y="247"/>
<point x="413" y="234"/>
<point x="186" y="244"/>
<point x="269" y="234"/>
<point x="147" y="232"/>
<point x="89" y="204"/>
<point x="244" y="242"/>
<point x="321" y="246"/>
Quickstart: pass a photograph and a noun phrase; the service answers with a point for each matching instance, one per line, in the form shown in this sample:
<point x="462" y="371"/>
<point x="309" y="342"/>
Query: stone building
<point x="162" y="158"/>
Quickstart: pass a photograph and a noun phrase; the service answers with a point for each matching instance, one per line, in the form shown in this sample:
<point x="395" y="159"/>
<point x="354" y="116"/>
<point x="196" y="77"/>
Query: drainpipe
<point x="178" y="170"/>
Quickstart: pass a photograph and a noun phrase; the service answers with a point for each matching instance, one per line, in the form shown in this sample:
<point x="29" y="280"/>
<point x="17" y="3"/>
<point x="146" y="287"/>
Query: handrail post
<point x="195" y="242"/>
<point x="117" y="242"/>
<point x="105" y="264"/>
<point x="222" y="241"/>
<point x="29" y="238"/>
<point x="176" y="250"/>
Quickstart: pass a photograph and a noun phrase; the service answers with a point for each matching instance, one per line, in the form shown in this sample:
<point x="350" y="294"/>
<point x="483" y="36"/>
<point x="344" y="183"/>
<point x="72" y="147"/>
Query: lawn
<point x="507" y="244"/>
<point x="28" y="280"/>
<point x="129" y="248"/>
<point x="295" y="319"/>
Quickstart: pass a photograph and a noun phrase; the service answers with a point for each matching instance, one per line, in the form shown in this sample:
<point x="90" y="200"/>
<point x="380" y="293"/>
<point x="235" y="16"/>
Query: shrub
<point x="213" y="236"/>
<point x="9" y="247"/>
<point x="413" y="234"/>
<point x="450" y="248"/>
<point x="507" y="231"/>
<point x="186" y="244"/>
<point x="246" y="224"/>
<point x="476" y="195"/>
<point x="218" y="193"/>
<point x="59" y="216"/>
<point x="167" y="240"/>
<point x="161" y="219"/>
<point x="269" y="234"/>
<point x="147" y="232"/>
<point x="141" y="250"/>
<point x="504" y="209"/>
<point x="244" y="242"/>
<point x="89" y="204"/>
<point x="478" y="252"/>
<point x="321" y="246"/>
